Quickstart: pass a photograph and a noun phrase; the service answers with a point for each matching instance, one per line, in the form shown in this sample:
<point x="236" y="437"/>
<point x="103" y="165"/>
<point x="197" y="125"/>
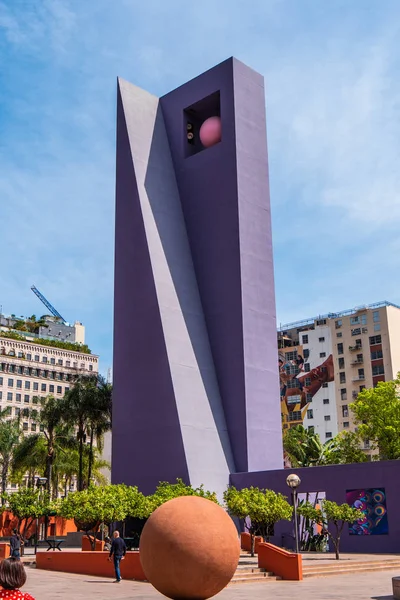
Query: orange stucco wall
<point x="86" y="546"/>
<point x="56" y="525"/>
<point x="4" y="550"/>
<point x="90" y="563"/>
<point x="245" y="542"/>
<point x="280" y="562"/>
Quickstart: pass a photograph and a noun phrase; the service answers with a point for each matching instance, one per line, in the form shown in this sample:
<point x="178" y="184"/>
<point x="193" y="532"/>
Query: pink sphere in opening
<point x="210" y="132"/>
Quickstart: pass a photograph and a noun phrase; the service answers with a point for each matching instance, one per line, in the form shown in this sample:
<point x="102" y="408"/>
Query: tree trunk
<point x="4" y="473"/>
<point x="253" y="543"/>
<point x="80" y="472"/>
<point x="90" y="455"/>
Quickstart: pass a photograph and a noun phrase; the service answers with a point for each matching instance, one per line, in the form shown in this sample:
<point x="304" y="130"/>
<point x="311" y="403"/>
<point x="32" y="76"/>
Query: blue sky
<point x="333" y="114"/>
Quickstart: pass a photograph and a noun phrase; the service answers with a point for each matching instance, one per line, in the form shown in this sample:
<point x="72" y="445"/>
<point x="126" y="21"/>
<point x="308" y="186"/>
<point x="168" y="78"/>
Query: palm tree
<point x="10" y="433"/>
<point x="87" y="406"/>
<point x="29" y="457"/>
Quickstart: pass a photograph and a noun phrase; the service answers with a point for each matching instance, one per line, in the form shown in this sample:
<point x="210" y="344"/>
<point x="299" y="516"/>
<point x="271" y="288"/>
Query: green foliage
<point x="303" y="448"/>
<point x="344" y="448"/>
<point x="28" y="504"/>
<point x="263" y="508"/>
<point x="73" y="346"/>
<point x="332" y="514"/>
<point x="99" y="504"/>
<point x="377" y="414"/>
<point x="166" y="491"/>
<point x="10" y="433"/>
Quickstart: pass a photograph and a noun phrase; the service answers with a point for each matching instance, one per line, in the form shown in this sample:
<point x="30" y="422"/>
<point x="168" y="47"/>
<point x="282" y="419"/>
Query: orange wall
<point x="4" y="551"/>
<point x="57" y="525"/>
<point x="280" y="562"/>
<point x="90" y="563"/>
<point x="86" y="546"/>
<point x="245" y="542"/>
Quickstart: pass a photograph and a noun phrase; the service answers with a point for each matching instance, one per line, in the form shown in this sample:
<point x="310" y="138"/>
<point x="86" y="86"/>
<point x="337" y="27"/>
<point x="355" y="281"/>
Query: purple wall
<point x="334" y="481"/>
<point x="147" y="444"/>
<point x="225" y="198"/>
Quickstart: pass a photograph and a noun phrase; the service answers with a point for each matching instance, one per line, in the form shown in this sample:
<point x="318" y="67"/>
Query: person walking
<point x="118" y="550"/>
<point x="15" y="545"/>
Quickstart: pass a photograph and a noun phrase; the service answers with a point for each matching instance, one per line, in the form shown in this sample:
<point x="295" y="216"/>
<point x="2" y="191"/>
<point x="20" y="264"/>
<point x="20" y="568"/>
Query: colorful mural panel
<point x="372" y="502"/>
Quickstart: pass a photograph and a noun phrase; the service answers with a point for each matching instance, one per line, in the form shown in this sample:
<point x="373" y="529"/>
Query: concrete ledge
<point x="90" y="563"/>
<point x="396" y="587"/>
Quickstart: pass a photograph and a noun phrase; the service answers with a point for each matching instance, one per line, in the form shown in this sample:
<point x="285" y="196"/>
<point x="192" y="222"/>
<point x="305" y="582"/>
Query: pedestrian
<point x="12" y="578"/>
<point x="107" y="544"/>
<point x="15" y="545"/>
<point x="118" y="550"/>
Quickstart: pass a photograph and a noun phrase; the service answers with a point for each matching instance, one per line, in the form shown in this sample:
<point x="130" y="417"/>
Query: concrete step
<point x="252" y="577"/>
<point x="349" y="570"/>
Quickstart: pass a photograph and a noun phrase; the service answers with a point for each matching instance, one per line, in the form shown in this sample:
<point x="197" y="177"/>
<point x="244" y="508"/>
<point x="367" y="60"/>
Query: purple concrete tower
<point x="196" y="391"/>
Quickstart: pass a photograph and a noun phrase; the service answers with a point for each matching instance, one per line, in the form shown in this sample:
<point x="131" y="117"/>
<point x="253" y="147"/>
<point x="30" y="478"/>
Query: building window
<point x="310" y="414"/>
<point x="325" y="385"/>
<point x="51" y="389"/>
<point x="66" y="389"/>
<point x="293" y="383"/>
<point x="60" y="362"/>
<point x="37" y="357"/>
<point x="44" y="359"/>
<point x="356" y="331"/>
<point x="43" y="387"/>
<point x="380" y="370"/>
<point x="11" y="368"/>
<point x="322" y="354"/>
<point x="11" y="383"/>
<point x="354" y="320"/>
<point x="361" y="374"/>
<point x="33" y="426"/>
<point x="52" y="361"/>
<point x="325" y="401"/>
<point x="307" y="367"/>
<point x="29" y="356"/>
<point x="91" y="366"/>
<point x="35" y="386"/>
<point x="327" y="417"/>
<point x="338" y="323"/>
<point x="346" y="424"/>
<point x="20" y="355"/>
<point x="345" y="410"/>
<point x="376" y="354"/>
<point x="75" y="365"/>
<point x="328" y="435"/>
<point x="375" y="316"/>
<point x="25" y="426"/>
<point x="26" y="371"/>
<point x="18" y="397"/>
<point x="306" y="354"/>
<point x="339" y="334"/>
<point x="67" y="363"/>
<point x="341" y="363"/>
<point x="340" y="348"/>
<point x="17" y="411"/>
<point x="311" y="429"/>
<point x="27" y="385"/>
<point x="304" y="339"/>
<point x="321" y="339"/>
<point x="20" y="370"/>
<point x="362" y="387"/>
<point x="377" y="327"/>
<point x="1" y="395"/>
<point x="19" y="384"/>
<point x="294" y="416"/>
<point x="343" y="393"/>
<point x="1" y="381"/>
<point x="309" y="397"/>
<point x="342" y="377"/>
<point x="9" y="396"/>
<point x="291" y="369"/>
<point x="295" y="399"/>
<point x="59" y="389"/>
<point x="26" y="398"/>
<point x="375" y="339"/>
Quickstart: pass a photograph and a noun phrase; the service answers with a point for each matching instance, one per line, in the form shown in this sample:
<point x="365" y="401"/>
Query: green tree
<point x="167" y="491"/>
<point x="28" y="504"/>
<point x="29" y="458"/>
<point x="99" y="417"/>
<point x="331" y="515"/>
<point x="259" y="509"/>
<point x="96" y="505"/>
<point x="377" y="414"/>
<point x="344" y="448"/>
<point x="303" y="447"/>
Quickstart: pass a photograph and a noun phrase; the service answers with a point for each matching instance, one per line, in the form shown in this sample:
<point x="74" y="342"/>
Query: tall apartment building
<point x="327" y="360"/>
<point x="30" y="369"/>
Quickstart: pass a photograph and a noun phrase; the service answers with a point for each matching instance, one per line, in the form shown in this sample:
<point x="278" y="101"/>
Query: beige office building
<point x="327" y="360"/>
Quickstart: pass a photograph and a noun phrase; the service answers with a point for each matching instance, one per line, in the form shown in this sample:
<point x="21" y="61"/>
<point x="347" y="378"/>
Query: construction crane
<point x="47" y="304"/>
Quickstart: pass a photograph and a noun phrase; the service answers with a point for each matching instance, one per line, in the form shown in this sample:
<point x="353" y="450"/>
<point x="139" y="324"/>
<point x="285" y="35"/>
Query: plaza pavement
<point x="47" y="585"/>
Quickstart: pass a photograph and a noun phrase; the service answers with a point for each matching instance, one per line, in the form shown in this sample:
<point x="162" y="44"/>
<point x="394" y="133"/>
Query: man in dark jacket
<point x="118" y="550"/>
<point x="15" y="545"/>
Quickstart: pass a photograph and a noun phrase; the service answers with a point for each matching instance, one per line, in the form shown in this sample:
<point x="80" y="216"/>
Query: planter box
<point x="245" y="542"/>
<point x="86" y="545"/>
<point x="4" y="551"/>
<point x="90" y="563"/>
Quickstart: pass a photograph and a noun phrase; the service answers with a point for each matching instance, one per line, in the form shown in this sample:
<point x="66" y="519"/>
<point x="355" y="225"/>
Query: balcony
<point x="359" y="361"/>
<point x="359" y="378"/>
<point x="354" y="348"/>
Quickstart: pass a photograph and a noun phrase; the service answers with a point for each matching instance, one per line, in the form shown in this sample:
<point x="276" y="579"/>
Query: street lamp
<point x="293" y="482"/>
<point x="41" y="483"/>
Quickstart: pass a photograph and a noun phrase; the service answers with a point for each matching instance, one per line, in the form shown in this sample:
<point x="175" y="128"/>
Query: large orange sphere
<point x="189" y="548"/>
